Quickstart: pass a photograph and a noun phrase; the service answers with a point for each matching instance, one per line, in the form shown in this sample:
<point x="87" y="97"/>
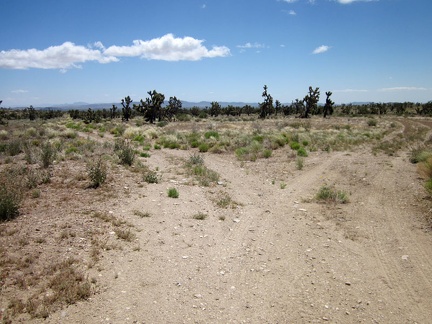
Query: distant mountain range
<point x="185" y="104"/>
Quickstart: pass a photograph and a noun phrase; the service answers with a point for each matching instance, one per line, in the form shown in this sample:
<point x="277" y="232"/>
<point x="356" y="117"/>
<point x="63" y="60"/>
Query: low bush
<point x="48" y="154"/>
<point x="330" y="194"/>
<point x="295" y="145"/>
<point x="210" y="134"/>
<point x="151" y="177"/>
<point x="11" y="194"/>
<point x="173" y="193"/>
<point x="302" y="152"/>
<point x="125" y="152"/>
<point x="97" y="172"/>
<point x="203" y="147"/>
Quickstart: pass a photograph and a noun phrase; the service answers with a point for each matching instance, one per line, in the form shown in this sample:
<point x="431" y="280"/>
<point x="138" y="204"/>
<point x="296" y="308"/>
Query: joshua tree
<point x="152" y="107"/>
<point x="113" y="111"/>
<point x="174" y="106"/>
<point x="266" y="106"/>
<point x="311" y="102"/>
<point x="215" y="109"/>
<point x="328" y="108"/>
<point x="126" y="110"/>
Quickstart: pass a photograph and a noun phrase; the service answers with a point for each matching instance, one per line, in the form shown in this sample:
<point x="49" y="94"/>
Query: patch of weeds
<point x="420" y="155"/>
<point x="157" y="147"/>
<point x="162" y="123"/>
<point x="48" y="154"/>
<point x="11" y="194"/>
<point x="371" y="122"/>
<point x="205" y="176"/>
<point x="196" y="159"/>
<point x="97" y="172"/>
<point x="267" y="153"/>
<point x="211" y="133"/>
<point x="35" y="193"/>
<point x="151" y="177"/>
<point x="200" y="216"/>
<point x="14" y="147"/>
<point x="141" y="214"/>
<point x="173" y="193"/>
<point x="299" y="163"/>
<point x="224" y="200"/>
<point x="118" y="130"/>
<point x="144" y="155"/>
<point x="283" y="185"/>
<point x="203" y="147"/>
<point x="330" y="194"/>
<point x="125" y="234"/>
<point x="125" y="152"/>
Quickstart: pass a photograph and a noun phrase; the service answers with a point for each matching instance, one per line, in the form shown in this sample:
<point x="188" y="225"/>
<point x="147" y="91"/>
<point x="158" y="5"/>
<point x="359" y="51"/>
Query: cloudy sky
<point x="62" y="51"/>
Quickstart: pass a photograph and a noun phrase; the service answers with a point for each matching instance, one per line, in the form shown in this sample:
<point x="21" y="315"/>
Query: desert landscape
<point x="216" y="220"/>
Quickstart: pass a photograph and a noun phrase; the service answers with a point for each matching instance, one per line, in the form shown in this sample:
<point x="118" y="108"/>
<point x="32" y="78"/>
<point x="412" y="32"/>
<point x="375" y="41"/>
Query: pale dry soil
<point x="276" y="256"/>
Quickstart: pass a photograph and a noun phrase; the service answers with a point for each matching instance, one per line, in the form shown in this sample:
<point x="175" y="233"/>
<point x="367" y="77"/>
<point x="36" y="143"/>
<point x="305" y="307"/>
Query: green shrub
<point x="267" y="153"/>
<point x="330" y="194"/>
<point x="372" y="122"/>
<point x="200" y="216"/>
<point x="299" y="163"/>
<point x="14" y="147"/>
<point x="151" y="177"/>
<point x="157" y="147"/>
<point x="203" y="147"/>
<point x="125" y="152"/>
<point x="212" y="133"/>
<point x="11" y="194"/>
<point x="139" y="138"/>
<point x="196" y="159"/>
<point x="295" y="145"/>
<point x="302" y="152"/>
<point x="162" y="123"/>
<point x="173" y="193"/>
<point x="144" y="155"/>
<point x="419" y="155"/>
<point x="48" y="154"/>
<point x="97" y="172"/>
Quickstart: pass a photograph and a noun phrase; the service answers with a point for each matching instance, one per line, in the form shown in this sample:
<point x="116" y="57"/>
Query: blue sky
<point x="62" y="51"/>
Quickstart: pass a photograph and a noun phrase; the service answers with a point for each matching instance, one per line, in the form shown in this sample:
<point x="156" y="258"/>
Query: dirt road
<point x="253" y="247"/>
<point x="277" y="256"/>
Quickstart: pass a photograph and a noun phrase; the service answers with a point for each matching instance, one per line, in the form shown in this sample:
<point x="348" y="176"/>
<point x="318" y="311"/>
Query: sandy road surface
<point x="278" y="257"/>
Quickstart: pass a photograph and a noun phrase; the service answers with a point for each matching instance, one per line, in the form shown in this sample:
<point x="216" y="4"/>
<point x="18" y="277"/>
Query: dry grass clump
<point x="329" y="194"/>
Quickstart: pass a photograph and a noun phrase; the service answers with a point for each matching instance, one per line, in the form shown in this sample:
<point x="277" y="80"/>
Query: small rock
<point x="236" y="220"/>
<point x="348" y="283"/>
<point x="198" y="296"/>
<point x="405" y="257"/>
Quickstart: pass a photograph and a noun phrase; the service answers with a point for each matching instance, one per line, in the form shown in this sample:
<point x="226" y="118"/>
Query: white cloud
<point x="65" y="56"/>
<point x="19" y="91"/>
<point x="289" y="1"/>
<point x="168" y="48"/>
<point x="68" y="55"/>
<point x="250" y="45"/>
<point x="403" y="89"/>
<point x="292" y="13"/>
<point x="321" y="49"/>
